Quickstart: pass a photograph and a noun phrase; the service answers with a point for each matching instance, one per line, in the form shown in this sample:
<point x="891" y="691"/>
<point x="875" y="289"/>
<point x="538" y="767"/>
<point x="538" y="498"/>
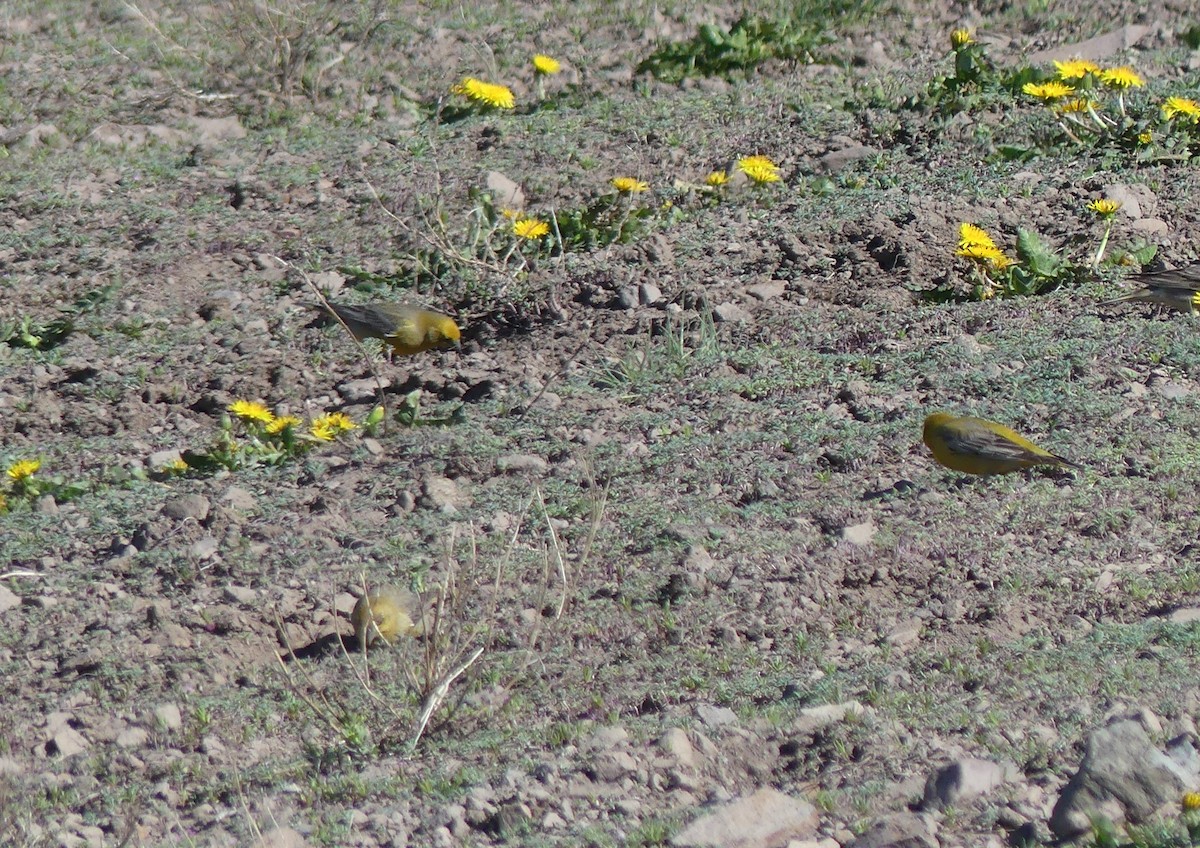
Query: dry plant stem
<point x="362" y="350"/>
<point x="597" y="515"/>
<point x="20" y="574"/>
<point x="326" y="713"/>
<point x="558" y="557"/>
<point x="434" y="699"/>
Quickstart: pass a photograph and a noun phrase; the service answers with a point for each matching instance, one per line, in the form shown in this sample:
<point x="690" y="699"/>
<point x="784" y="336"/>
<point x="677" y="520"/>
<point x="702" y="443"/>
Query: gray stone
<point x="187" y="506"/>
<point x="965" y="779"/>
<point x="243" y="595"/>
<point x="362" y="391"/>
<point x="676" y="743"/>
<point x="730" y="313"/>
<point x="167" y="716"/>
<point x="813" y="719"/>
<point x="1123" y="778"/>
<point x="860" y="534"/>
<point x="442" y="494"/>
<point x="1096" y="49"/>
<point x="768" y="290"/>
<point x="522" y="463"/>
<point x="506" y="194"/>
<point x="713" y="716"/>
<point x="901" y="830"/>
<point x="836" y="160"/>
<point x="649" y="294"/>
<point x="164" y="459"/>
<point x="766" y="819"/>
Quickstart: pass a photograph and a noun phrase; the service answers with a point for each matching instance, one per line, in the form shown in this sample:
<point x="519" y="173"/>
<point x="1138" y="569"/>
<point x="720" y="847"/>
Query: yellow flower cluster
<point x="485" y="93"/>
<point x="628" y="185"/>
<point x="1052" y="90"/>
<point x="543" y="64"/>
<point x="1104" y="207"/>
<point x="530" y="228"/>
<point x="323" y="429"/>
<point x="977" y="246"/>
<point x="23" y="469"/>
<point x="760" y="169"/>
<point x="330" y="425"/>
<point x="1181" y="107"/>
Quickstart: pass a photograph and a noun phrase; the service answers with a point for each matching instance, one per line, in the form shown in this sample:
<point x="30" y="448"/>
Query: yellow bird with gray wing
<point x="407" y="328"/>
<point x="979" y="446"/>
<point x="1178" y="288"/>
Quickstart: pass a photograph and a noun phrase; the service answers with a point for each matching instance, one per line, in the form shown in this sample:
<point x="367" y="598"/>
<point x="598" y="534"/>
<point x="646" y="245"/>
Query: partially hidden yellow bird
<point x="385" y="613"/>
<point x="1178" y="288"/>
<point x="979" y="446"/>
<point x="407" y="328"/>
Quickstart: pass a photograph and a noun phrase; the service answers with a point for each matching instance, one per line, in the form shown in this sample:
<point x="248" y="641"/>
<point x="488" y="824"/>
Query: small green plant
<point x="992" y="273"/>
<point x="25" y="486"/>
<point x="259" y="437"/>
<point x="715" y="51"/>
<point x="614" y="218"/>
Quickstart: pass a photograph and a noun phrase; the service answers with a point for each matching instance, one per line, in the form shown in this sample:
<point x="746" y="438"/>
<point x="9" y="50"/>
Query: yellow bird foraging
<point x="386" y="614"/>
<point x="979" y="446"/>
<point x="407" y="328"/>
<point x="1178" y="288"/>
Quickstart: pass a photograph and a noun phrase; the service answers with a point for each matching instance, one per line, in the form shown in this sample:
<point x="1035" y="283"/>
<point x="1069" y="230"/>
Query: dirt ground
<point x="666" y="502"/>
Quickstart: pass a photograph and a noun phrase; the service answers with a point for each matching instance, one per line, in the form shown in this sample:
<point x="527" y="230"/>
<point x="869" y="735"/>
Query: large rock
<point x="1124" y="778"/>
<point x="900" y="830"/>
<point x="766" y="819"/>
<point x="965" y="779"/>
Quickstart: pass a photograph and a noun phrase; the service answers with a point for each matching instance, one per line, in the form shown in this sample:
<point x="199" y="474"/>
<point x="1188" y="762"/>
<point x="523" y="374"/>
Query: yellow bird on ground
<point x="979" y="446"/>
<point x="407" y="328"/>
<point x="1178" y="288"/>
<point x="386" y="614"/>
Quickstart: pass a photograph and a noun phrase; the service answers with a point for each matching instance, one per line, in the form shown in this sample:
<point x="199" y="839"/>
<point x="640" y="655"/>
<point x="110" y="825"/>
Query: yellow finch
<point x="384" y="613"/>
<point x="408" y="329"/>
<point x="1178" y="288"/>
<point x="977" y="446"/>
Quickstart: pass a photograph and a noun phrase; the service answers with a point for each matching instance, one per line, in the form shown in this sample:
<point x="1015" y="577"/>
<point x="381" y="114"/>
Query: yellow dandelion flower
<point x="249" y="410"/>
<point x="983" y="254"/>
<point x="1075" y="68"/>
<point x="335" y="421"/>
<point x="1104" y="207"/>
<point x="23" y="469"/>
<point x="530" y="228"/>
<point x="282" y="423"/>
<point x="1001" y="261"/>
<point x="1145" y="137"/>
<point x="716" y="179"/>
<point x="510" y="214"/>
<point x="1122" y="77"/>
<point x="544" y="64"/>
<point x="1052" y="90"/>
<point x="1191" y="801"/>
<point x="628" y="185"/>
<point x="176" y="466"/>
<point x="759" y="169"/>
<point x="322" y="431"/>
<point x="486" y="93"/>
<point x="970" y="235"/>
<point x="1181" y="107"/>
<point x="961" y="38"/>
<point x="1077" y="105"/>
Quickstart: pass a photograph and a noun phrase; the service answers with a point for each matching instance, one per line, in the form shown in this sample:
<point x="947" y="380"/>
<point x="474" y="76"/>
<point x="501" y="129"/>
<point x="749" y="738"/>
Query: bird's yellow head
<point x="937" y="420"/>
<point x="442" y="331"/>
